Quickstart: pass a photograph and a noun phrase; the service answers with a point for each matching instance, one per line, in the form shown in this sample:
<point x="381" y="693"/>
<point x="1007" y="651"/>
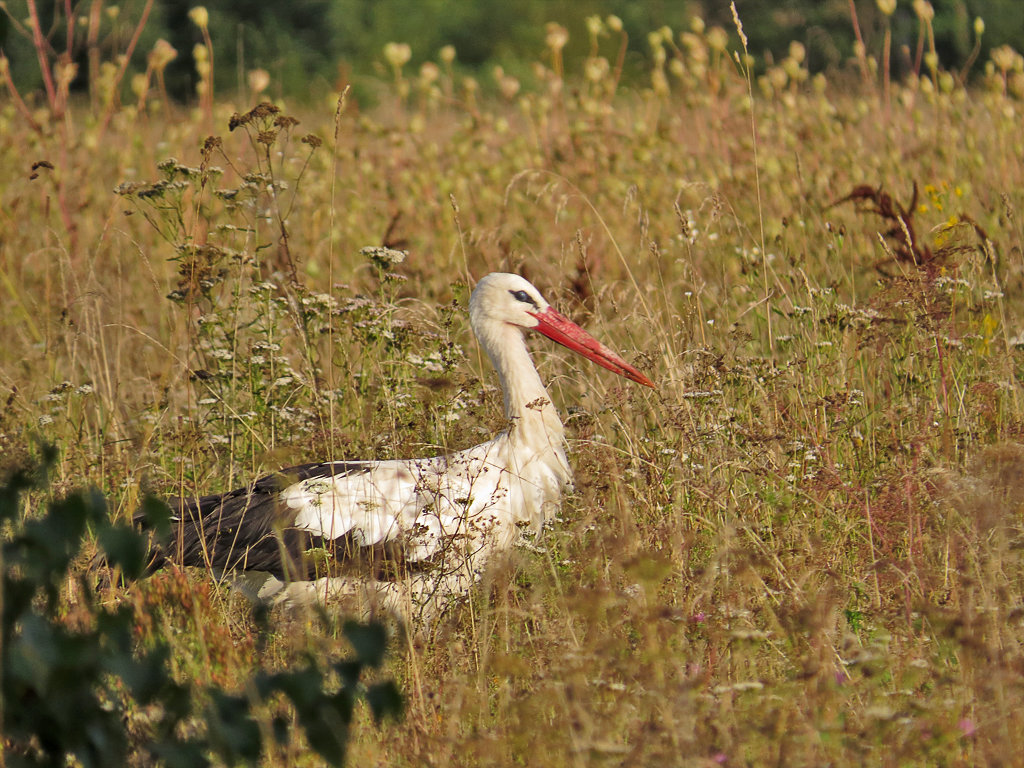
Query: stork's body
<point x="406" y="533"/>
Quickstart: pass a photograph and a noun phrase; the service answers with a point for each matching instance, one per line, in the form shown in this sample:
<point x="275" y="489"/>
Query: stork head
<point x="502" y="298"/>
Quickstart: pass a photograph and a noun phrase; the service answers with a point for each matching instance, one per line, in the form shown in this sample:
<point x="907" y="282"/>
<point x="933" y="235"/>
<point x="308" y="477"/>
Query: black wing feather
<point x="251" y="529"/>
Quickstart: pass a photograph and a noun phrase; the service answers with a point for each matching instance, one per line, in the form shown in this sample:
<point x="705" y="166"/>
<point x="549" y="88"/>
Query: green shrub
<point x="74" y="677"/>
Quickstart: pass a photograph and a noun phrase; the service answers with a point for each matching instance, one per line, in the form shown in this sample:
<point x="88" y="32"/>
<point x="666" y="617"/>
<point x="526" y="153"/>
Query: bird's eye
<point x="523" y="296"/>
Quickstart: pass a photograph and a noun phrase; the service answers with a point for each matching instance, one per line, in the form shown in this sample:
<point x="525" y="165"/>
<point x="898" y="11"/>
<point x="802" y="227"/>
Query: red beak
<point x="558" y="327"/>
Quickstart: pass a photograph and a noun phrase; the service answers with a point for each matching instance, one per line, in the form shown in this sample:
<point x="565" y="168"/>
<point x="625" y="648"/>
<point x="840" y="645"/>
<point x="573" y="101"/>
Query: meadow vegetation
<point x="803" y="548"/>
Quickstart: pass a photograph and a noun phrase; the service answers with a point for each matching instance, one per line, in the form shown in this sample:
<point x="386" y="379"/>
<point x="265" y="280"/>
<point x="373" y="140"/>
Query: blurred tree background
<point x="309" y="45"/>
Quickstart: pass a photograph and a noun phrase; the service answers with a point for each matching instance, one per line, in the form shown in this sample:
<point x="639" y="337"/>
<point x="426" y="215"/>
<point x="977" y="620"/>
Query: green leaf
<point x="385" y="700"/>
<point x="125" y="549"/>
<point x="369" y="641"/>
<point x="233" y="732"/>
<point x="155" y="515"/>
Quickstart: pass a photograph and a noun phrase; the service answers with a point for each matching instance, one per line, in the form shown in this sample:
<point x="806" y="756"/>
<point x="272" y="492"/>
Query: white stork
<point x="408" y="534"/>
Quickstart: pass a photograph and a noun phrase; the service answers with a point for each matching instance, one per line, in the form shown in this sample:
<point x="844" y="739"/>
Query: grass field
<point x="804" y="548"/>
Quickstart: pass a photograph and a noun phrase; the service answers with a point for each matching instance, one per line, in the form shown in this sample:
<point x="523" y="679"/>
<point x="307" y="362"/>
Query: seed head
<point x="258" y="80"/>
<point x="1005" y="58"/>
<point x="739" y="24"/>
<point x="556" y="36"/>
<point x="397" y="55"/>
<point x="139" y="84"/>
<point x="163" y="53"/>
<point x="200" y="16"/>
<point x="718" y="39"/>
<point x="595" y="68"/>
<point x="429" y="73"/>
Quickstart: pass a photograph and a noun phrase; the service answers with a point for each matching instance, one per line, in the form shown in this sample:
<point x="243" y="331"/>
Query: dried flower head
<point x="718" y="39"/>
<point x="397" y="55"/>
<point x="556" y="36"/>
<point x="508" y="85"/>
<point x="596" y="68"/>
<point x="924" y="10"/>
<point x="739" y="24"/>
<point x="429" y="73"/>
<point x="1006" y="58"/>
<point x="258" y="80"/>
<point x="200" y="16"/>
<point x="163" y="53"/>
<point x="384" y="258"/>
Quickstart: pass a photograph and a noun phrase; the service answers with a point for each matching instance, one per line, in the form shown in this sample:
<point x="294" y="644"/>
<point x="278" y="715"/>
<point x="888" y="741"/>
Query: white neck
<point x="527" y="405"/>
<point x="535" y="438"/>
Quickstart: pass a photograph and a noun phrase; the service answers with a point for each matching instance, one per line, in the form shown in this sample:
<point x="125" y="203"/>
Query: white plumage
<point x="406" y="534"/>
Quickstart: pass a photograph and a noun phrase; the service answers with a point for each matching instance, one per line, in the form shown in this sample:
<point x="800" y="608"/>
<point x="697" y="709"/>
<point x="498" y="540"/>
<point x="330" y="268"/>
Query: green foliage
<point x="312" y="45"/>
<point x="71" y="679"/>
